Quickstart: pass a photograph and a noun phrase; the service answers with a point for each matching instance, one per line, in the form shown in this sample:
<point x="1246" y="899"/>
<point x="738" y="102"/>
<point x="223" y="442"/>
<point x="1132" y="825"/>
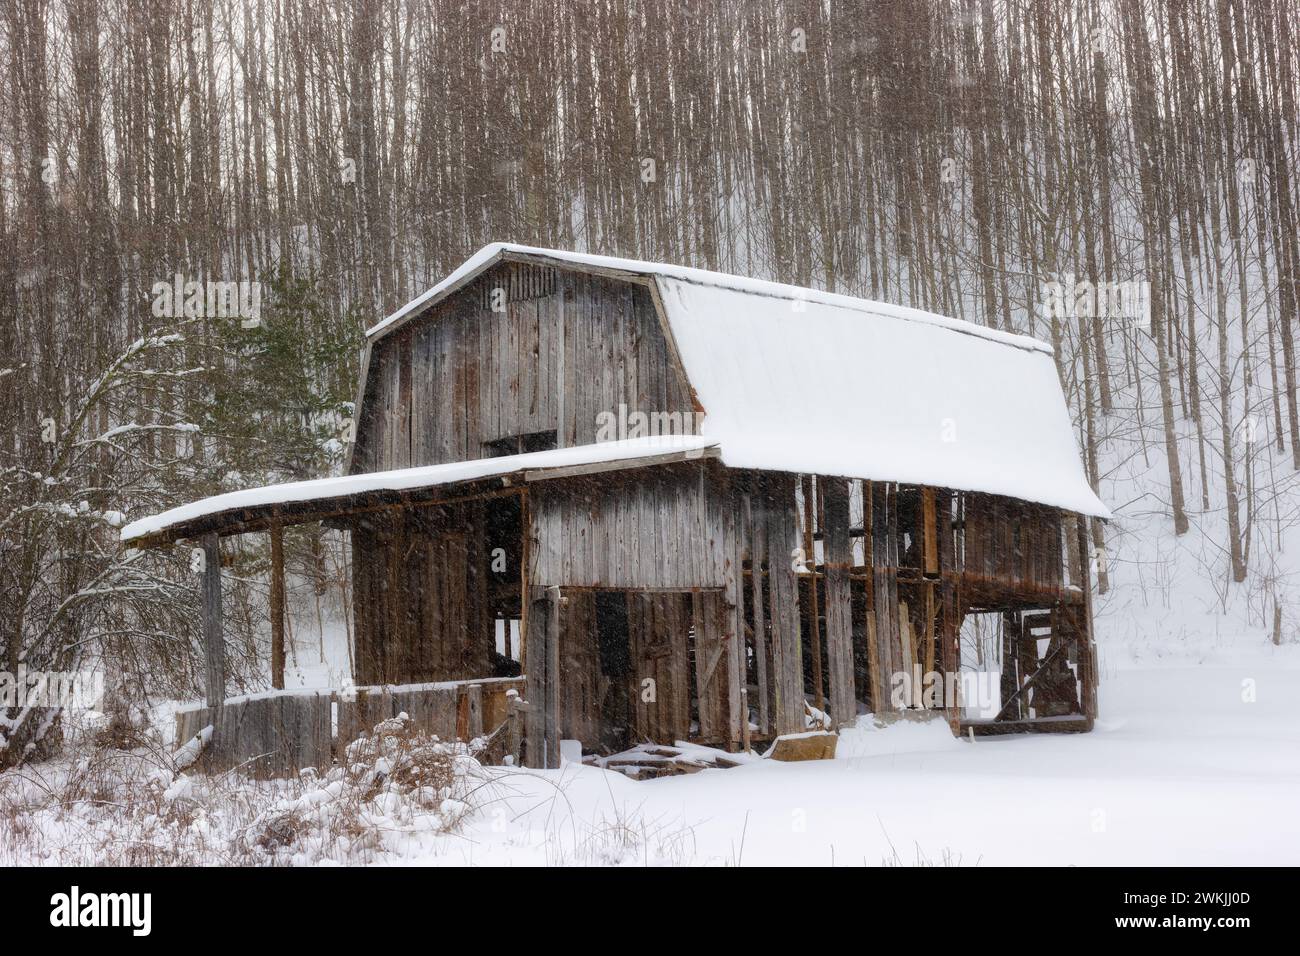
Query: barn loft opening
<point x="613" y="645"/>
<point x="520" y="444"/>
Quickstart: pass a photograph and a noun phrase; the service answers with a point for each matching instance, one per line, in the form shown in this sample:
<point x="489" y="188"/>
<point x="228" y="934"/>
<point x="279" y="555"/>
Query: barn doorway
<point x="501" y="566"/>
<point x="638" y="666"/>
<point x="614" y="652"/>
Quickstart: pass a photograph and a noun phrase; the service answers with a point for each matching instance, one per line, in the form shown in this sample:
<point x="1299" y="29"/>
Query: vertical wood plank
<point x="214" y="647"/>
<point x="787" y="656"/>
<point x="757" y="555"/>
<point x="277" y="607"/>
<point x="839" y="610"/>
<point x="551" y="655"/>
<point x="535" y="679"/>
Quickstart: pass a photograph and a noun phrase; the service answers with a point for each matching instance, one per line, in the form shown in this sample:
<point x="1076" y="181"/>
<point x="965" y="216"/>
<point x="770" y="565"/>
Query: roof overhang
<point x="259" y="509"/>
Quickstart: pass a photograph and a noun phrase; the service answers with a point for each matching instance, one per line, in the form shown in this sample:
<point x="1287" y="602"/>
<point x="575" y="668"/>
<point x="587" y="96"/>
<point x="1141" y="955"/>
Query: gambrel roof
<point x="793" y="379"/>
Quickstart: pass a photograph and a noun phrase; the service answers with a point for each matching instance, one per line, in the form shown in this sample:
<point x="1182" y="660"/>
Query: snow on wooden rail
<point x="278" y="733"/>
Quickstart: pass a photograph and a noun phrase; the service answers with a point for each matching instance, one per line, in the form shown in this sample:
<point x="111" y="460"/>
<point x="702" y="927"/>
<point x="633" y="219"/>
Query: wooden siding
<point x="770" y="532"/>
<point x="446" y="384"/>
<point x="281" y="733"/>
<point x="419" y="596"/>
<point x="1011" y="545"/>
<point x="660" y="527"/>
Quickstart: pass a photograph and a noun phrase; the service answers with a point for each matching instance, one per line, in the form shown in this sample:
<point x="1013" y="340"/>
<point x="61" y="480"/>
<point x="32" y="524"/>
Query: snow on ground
<point x="1181" y="771"/>
<point x="1195" y="761"/>
<point x="317" y="651"/>
<point x="1191" y="764"/>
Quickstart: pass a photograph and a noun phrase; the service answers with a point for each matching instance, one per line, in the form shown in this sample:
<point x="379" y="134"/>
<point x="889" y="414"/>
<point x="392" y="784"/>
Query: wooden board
<point x="839" y="611"/>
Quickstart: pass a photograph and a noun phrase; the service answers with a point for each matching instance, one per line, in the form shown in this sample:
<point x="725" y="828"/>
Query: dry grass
<point x="116" y="799"/>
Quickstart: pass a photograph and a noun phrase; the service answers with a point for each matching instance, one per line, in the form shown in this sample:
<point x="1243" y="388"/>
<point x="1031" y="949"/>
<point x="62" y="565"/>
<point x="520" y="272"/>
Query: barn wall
<point x="658" y="527"/>
<point x="660" y="639"/>
<point x="419" y="597"/>
<point x="768" y="534"/>
<point x="666" y="536"/>
<point x="568" y="347"/>
<point x="1012" y="544"/>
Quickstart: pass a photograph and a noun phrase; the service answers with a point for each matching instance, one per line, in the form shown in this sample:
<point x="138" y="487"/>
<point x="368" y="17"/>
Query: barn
<point x="663" y="504"/>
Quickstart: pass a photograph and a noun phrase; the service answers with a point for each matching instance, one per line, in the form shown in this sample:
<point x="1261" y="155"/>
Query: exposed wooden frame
<point x="357" y="406"/>
<point x="214" y="647"/>
<point x="839" y="609"/>
<point x="808" y="484"/>
<point x="277" y="606"/>
<point x="262" y="517"/>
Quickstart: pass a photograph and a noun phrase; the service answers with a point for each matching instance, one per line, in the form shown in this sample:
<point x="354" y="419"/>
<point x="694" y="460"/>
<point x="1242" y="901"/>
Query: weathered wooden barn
<point x="712" y="509"/>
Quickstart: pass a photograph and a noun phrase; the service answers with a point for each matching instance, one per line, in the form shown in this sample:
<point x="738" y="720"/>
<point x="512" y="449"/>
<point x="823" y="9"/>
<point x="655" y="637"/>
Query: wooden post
<point x="783" y="584"/>
<point x="887" y="642"/>
<point x="277" y="607"/>
<point x="757" y="554"/>
<point x="744" y="719"/>
<point x="814" y="613"/>
<point x="535" y="678"/>
<point x="474" y="709"/>
<point x="1010" y="657"/>
<point x="525" y="534"/>
<point x="930" y="532"/>
<point x="838" y="552"/>
<point x="736" y="656"/>
<point x="551" y="691"/>
<point x="1086" y="649"/>
<point x="214" y="648"/>
<point x="514" y="719"/>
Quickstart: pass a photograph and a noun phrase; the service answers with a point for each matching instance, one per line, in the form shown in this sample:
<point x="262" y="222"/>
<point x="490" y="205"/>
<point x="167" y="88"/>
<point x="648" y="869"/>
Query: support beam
<point x="542" y="716"/>
<point x="814" y="610"/>
<point x="887" y="645"/>
<point x="277" y="606"/>
<point x="535" y="674"/>
<point x="1086" y="649"/>
<point x="783" y="613"/>
<point x="214" y="648"/>
<point x="1010" y="655"/>
<point x="734" y="638"/>
<point x="839" y="612"/>
<point x="551" y="722"/>
<point x="930" y="531"/>
<point x="754" y="516"/>
<point x="1015" y="704"/>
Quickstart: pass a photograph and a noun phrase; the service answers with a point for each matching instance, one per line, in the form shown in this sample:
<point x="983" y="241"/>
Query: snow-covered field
<point x="1192" y="763"/>
<point x="1195" y="760"/>
<point x="1183" y="769"/>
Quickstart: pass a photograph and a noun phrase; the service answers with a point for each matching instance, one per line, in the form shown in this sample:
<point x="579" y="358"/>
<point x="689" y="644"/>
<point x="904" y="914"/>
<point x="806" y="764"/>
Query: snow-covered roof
<point x="794" y="379"/>
<point x="324" y="493"/>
